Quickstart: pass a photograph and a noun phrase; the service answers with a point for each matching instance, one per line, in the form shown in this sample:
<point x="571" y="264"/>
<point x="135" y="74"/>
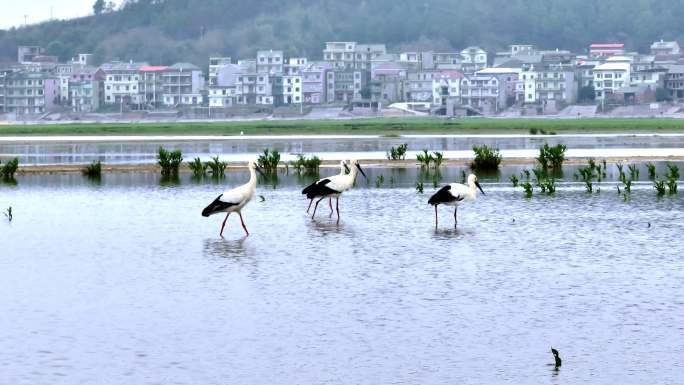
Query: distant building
<point x="352" y="55"/>
<point x="548" y="85"/>
<point x="270" y="62"/>
<point x="28" y="93"/>
<point x="151" y="85"/>
<point x="674" y="82"/>
<point x="26" y="53"/>
<point x="485" y="93"/>
<point x="294" y="65"/>
<point x="182" y="84"/>
<point x="216" y="63"/>
<point x="610" y="76"/>
<point x="665" y="48"/>
<point x="288" y="90"/>
<point x="122" y="83"/>
<point x="606" y="49"/>
<point x="474" y="59"/>
<point x="446" y="85"/>
<point x="388" y="81"/>
<point x="419" y="86"/>
<point x="346" y="85"/>
<point x="314" y="83"/>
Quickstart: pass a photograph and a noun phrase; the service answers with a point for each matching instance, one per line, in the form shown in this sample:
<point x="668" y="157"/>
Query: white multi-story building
<point x="27" y="93"/>
<point x="291" y="88"/>
<point x="544" y="83"/>
<point x="216" y="63"/>
<point x="222" y="96"/>
<point x="474" y="59"/>
<point x="612" y="75"/>
<point x="314" y="83"/>
<point x="446" y="85"/>
<point x="122" y="83"/>
<point x="270" y="62"/>
<point x="352" y="55"/>
<point x="294" y="65"/>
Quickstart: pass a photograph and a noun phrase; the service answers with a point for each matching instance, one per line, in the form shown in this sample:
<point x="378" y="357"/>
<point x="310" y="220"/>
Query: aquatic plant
<point x="514" y="180"/>
<point x="527" y="186"/>
<point x="464" y="176"/>
<point x="659" y="186"/>
<point x="308" y="165"/>
<point x="424" y="159"/>
<point x="216" y="167"/>
<point x="672" y="171"/>
<point x="379" y="180"/>
<point x="672" y="186"/>
<point x="651" y="170"/>
<point x="169" y="161"/>
<point x="486" y="158"/>
<point x="198" y="168"/>
<point x="437" y="159"/>
<point x="93" y="170"/>
<point x="420" y="187"/>
<point x="9" y="169"/>
<point x="8" y="214"/>
<point x="269" y="160"/>
<point x="552" y="157"/>
<point x="633" y="172"/>
<point x="548" y="185"/>
<point x="621" y="172"/>
<point x="397" y="153"/>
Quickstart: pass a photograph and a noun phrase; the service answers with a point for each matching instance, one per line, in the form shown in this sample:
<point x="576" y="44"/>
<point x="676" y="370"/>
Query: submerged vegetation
<point x="9" y="169"/>
<point x="169" y="161"/>
<point x="269" y="160"/>
<point x="552" y="157"/>
<point x="93" y="170"/>
<point x="307" y="165"/>
<point x="397" y="153"/>
<point x="486" y="159"/>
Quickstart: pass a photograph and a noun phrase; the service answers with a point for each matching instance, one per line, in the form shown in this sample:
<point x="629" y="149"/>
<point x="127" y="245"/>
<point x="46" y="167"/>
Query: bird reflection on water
<point x="225" y="248"/>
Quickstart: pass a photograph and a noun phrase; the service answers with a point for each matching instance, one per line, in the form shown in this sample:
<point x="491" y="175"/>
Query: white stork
<point x="343" y="170"/>
<point x="455" y="194"/>
<point x="234" y="200"/>
<point x="334" y="186"/>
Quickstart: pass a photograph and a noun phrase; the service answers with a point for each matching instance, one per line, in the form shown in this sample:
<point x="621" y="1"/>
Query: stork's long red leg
<point x="316" y="207"/>
<point x="224" y="224"/>
<point x="435" y="216"/>
<point x="309" y="208"/>
<point x="243" y="223"/>
<point x="331" y="208"/>
<point x="338" y="208"/>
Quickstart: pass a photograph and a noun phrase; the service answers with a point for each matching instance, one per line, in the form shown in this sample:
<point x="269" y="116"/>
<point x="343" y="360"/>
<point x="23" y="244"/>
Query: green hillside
<point x="165" y="31"/>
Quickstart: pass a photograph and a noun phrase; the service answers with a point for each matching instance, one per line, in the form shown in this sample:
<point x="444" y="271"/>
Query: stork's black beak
<point x="346" y="168"/>
<point x="480" y="187"/>
<point x="259" y="171"/>
<point x="360" y="169"/>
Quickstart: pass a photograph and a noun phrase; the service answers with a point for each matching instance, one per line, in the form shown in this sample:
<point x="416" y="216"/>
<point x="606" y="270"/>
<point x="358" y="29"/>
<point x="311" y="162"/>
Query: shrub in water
<point x="514" y="180"/>
<point x="419" y="187"/>
<point x="379" y="180"/>
<point x="651" y="171"/>
<point x="633" y="172"/>
<point x="308" y="165"/>
<point x="9" y="169"/>
<point x="552" y="157"/>
<point x="269" y="160"/>
<point x="424" y="159"/>
<point x="659" y="186"/>
<point x="486" y="159"/>
<point x="398" y="153"/>
<point x="93" y="170"/>
<point x="198" y="168"/>
<point x="169" y="161"/>
<point x="217" y="168"/>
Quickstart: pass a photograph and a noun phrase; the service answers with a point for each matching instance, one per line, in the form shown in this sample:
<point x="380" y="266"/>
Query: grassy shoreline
<point x="379" y="126"/>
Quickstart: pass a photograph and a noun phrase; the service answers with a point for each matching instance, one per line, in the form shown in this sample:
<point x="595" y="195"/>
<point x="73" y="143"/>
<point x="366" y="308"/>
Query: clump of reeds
<point x="9" y="169"/>
<point x="552" y="156"/>
<point x="216" y="167"/>
<point x="486" y="158"/>
<point x="379" y="180"/>
<point x="198" y="168"/>
<point x="427" y="159"/>
<point x="397" y="153"/>
<point x="93" y="170"/>
<point x="269" y="161"/>
<point x="308" y="165"/>
<point x="169" y="161"/>
<point x="420" y="187"/>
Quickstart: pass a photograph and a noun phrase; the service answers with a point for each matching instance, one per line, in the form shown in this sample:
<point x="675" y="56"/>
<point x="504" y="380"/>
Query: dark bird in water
<point x="556" y="357"/>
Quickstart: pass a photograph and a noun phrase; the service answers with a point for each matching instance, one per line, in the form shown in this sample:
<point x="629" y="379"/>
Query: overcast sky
<point x="13" y="11"/>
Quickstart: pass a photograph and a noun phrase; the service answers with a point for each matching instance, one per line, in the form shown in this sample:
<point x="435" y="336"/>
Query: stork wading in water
<point x="234" y="200"/>
<point x="344" y="169"/>
<point x="455" y="194"/>
<point x="334" y="186"/>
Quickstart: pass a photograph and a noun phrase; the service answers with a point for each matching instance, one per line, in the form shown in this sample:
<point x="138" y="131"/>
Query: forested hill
<point x="166" y="31"/>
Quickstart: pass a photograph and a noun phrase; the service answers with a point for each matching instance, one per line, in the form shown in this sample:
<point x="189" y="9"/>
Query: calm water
<point x="54" y="151"/>
<point x="125" y="283"/>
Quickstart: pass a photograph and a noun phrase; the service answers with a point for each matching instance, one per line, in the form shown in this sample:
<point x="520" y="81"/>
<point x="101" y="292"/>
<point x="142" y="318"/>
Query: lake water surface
<point x="124" y="282"/>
